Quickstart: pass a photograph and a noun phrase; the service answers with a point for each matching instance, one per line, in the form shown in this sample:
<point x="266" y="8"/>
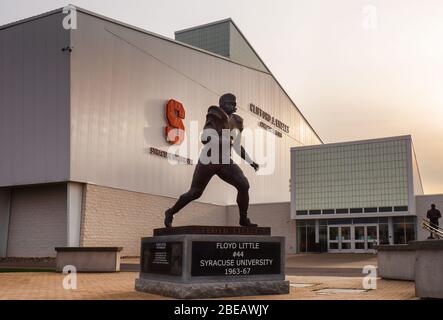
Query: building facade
<point x="84" y="112"/>
<point x="87" y="159"/>
<point x="348" y="197"/>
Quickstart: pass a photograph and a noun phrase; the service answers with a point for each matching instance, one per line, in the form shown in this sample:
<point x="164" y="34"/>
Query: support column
<point x="5" y="213"/>
<point x="391" y="230"/>
<point x="317" y="231"/>
<point x="74" y="212"/>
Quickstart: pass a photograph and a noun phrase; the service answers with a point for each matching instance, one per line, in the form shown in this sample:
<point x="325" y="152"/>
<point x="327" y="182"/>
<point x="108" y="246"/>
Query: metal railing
<point x="433" y="229"/>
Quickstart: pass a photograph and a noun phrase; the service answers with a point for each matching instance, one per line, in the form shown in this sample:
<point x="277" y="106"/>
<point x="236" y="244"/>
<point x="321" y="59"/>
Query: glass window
<point x="371" y="233"/>
<point x="310" y="239"/>
<point x="359" y="233"/>
<point x="310" y="223"/>
<point x="323" y="233"/>
<point x="360" y="245"/>
<point x="410" y="220"/>
<point x="410" y="232"/>
<point x="364" y="175"/>
<point x="365" y="221"/>
<point x="399" y="233"/>
<point x="346" y="233"/>
<point x="301" y="239"/>
<point x="333" y="233"/>
<point x="306" y="238"/>
<point x="339" y="221"/>
<point x="383" y="230"/>
<point x="301" y="223"/>
<point x="410" y="228"/>
<point x="398" y="219"/>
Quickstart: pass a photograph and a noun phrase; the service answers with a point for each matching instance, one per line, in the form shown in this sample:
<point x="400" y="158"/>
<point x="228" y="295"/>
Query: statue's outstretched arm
<point x="240" y="150"/>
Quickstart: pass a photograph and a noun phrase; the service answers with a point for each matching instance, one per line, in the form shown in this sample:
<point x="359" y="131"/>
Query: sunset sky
<point x="356" y="69"/>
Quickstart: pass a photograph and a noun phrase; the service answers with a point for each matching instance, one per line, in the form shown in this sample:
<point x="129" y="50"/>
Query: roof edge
<point x="204" y="25"/>
<point x="36" y="17"/>
<point x="94" y="14"/>
<point x="159" y="36"/>
<point x="99" y="16"/>
<point x="336" y="144"/>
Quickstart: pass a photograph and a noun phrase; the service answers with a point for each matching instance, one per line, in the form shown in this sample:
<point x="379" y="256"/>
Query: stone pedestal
<point x="89" y="259"/>
<point x="429" y="269"/>
<point x="419" y="261"/>
<point x="208" y="262"/>
<point x="396" y="262"/>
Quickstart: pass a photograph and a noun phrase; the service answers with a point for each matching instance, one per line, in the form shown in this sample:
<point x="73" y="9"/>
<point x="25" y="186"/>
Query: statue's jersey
<point x="218" y="120"/>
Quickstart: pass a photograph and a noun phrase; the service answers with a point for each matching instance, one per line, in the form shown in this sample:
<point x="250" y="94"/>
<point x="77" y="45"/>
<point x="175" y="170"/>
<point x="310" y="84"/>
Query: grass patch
<point x="21" y="270"/>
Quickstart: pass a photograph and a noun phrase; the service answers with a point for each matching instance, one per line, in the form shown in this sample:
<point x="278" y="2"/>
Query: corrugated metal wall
<point x="38" y="221"/>
<point x="121" y="81"/>
<point x="34" y="102"/>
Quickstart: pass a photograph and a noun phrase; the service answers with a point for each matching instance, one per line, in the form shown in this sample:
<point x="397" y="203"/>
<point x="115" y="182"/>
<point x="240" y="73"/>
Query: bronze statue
<point x="220" y="119"/>
<point x="433" y="215"/>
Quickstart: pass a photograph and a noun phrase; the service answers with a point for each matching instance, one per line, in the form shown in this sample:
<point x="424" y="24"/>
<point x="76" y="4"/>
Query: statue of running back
<point x="219" y="120"/>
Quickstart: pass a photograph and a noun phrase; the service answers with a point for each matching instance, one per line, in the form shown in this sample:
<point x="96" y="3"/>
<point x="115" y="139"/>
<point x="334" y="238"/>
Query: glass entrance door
<point x="360" y="238"/>
<point x="365" y="237"/>
<point x="346" y="240"/>
<point x="339" y="239"/>
<point x="371" y="237"/>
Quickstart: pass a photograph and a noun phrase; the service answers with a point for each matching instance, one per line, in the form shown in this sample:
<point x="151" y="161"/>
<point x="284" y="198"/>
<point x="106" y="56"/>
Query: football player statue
<point x="219" y="121"/>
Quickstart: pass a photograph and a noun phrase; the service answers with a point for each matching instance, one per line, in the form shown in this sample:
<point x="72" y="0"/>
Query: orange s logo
<point x="175" y="130"/>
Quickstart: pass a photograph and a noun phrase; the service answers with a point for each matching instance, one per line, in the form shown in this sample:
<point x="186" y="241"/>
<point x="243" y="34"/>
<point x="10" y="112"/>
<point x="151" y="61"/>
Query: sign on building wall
<point x="175" y="128"/>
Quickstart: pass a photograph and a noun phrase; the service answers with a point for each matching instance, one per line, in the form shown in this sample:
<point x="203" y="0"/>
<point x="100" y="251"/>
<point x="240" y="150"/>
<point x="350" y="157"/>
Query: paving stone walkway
<point x="120" y="286"/>
<point x="326" y="272"/>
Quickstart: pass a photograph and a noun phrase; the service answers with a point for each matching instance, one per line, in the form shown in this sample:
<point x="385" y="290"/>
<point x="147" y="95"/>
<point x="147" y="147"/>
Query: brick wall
<point x="114" y="217"/>
<point x="38" y="221"/>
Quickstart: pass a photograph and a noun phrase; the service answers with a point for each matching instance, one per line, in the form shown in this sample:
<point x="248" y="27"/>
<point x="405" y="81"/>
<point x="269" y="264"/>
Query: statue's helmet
<point x="227" y="98"/>
<point x="433" y="206"/>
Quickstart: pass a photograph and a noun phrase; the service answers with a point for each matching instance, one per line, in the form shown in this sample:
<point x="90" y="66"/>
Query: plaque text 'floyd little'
<point x="238" y="245"/>
<point x="235" y="258"/>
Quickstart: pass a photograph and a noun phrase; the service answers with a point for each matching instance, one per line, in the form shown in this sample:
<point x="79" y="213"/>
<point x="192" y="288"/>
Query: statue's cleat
<point x="168" y="218"/>
<point x="245" y="222"/>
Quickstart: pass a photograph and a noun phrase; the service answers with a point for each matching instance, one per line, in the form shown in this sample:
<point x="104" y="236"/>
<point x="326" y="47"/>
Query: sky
<point x="356" y="69"/>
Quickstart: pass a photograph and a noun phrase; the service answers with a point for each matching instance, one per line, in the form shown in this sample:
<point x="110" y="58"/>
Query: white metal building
<point x="82" y="117"/>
